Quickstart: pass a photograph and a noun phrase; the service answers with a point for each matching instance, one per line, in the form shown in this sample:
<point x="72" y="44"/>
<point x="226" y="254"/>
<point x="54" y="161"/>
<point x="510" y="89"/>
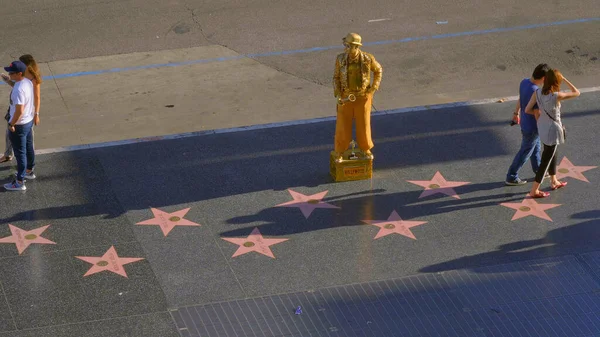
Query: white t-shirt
<point x="22" y="93"/>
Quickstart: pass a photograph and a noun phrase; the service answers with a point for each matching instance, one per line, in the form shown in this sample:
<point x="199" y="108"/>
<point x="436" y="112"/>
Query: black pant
<point x="548" y="163"/>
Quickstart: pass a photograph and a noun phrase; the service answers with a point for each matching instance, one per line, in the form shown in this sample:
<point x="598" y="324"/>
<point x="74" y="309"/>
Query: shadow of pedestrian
<point x="575" y="239"/>
<point x="366" y="204"/>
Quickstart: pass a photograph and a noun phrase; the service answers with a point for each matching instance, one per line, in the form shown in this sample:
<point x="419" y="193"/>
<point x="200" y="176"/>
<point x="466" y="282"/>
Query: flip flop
<point x="5" y="159"/>
<point x="540" y="195"/>
<point x="561" y="185"/>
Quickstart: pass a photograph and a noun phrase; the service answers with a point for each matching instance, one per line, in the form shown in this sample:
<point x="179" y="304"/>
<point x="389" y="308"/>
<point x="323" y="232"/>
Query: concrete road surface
<point x="252" y="62"/>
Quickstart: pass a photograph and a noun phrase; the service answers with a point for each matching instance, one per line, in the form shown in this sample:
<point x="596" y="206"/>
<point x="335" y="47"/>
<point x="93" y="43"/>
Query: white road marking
<point x="378" y="20"/>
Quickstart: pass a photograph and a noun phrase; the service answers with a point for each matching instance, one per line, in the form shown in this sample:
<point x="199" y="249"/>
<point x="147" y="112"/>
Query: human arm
<point x="17" y="97"/>
<point x="534" y="110"/>
<point x="36" y="103"/>
<point x="568" y="95"/>
<point x="516" y="118"/>
<point x="337" y="84"/>
<point x="377" y="73"/>
<point x="7" y="80"/>
<point x="517" y="107"/>
<point x="529" y="108"/>
<point x="16" y="116"/>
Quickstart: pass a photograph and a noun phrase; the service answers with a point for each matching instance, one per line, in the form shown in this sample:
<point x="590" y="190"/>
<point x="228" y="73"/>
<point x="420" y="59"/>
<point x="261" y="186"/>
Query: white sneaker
<point x="28" y="175"/>
<point x="15" y="186"/>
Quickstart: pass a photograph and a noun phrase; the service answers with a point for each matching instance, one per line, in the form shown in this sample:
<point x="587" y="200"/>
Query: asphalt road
<point x="461" y="66"/>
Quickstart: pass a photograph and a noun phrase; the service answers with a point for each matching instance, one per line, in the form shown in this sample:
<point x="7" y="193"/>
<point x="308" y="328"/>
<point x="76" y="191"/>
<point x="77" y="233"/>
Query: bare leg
<point x="548" y="164"/>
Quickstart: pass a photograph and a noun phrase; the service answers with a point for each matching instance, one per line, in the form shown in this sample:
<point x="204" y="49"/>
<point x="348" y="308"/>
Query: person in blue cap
<point x="20" y="122"/>
<point x="34" y="75"/>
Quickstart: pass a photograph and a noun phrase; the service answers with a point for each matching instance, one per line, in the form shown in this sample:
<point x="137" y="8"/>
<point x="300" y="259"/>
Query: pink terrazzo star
<point x="567" y="169"/>
<point x="255" y="242"/>
<point x="394" y="224"/>
<point x="307" y="203"/>
<point x="438" y="184"/>
<point x="529" y="207"/>
<point x="168" y="221"/>
<point x="22" y="239"/>
<point x="110" y="261"/>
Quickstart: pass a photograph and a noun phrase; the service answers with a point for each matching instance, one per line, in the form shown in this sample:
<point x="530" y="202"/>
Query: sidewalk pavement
<point x="117" y="97"/>
<point x="201" y="236"/>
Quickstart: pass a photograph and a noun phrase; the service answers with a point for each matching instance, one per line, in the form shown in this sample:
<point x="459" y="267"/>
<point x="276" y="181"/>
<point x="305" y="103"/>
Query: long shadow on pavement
<point x="181" y="171"/>
<point x="573" y="239"/>
<point x="110" y="181"/>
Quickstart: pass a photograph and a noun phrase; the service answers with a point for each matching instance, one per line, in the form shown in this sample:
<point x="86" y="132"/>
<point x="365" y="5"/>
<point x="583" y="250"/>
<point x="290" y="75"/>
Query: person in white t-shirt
<point x="20" y="125"/>
<point x="34" y="75"/>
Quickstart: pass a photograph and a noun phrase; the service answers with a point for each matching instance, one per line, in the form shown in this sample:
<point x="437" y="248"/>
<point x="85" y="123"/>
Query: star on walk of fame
<point x="22" y="239"/>
<point x="168" y="221"/>
<point x="255" y="242"/>
<point x="529" y="207"/>
<point x="110" y="261"/>
<point x="438" y="184"/>
<point x="307" y="203"/>
<point x="567" y="169"/>
<point x="394" y="224"/>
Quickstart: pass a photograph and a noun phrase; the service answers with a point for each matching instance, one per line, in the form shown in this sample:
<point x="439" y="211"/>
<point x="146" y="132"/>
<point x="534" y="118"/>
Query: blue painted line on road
<point x="316" y="49"/>
<point x="148" y="66"/>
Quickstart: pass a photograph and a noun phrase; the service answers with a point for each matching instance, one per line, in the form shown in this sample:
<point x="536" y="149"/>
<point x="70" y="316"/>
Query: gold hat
<point x="353" y="38"/>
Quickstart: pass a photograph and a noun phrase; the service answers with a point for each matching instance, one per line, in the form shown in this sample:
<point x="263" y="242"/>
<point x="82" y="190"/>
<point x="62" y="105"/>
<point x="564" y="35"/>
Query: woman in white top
<point x="550" y="127"/>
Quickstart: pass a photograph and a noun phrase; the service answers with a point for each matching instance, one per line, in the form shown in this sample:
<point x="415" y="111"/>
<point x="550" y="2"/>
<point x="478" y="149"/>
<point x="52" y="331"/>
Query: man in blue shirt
<point x="530" y="144"/>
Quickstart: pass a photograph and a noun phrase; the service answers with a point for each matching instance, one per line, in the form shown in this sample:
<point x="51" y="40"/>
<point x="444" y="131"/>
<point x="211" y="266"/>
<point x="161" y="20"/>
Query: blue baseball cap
<point x="16" y="67"/>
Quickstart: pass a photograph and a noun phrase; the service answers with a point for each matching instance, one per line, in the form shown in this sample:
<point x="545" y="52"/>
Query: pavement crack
<point x="199" y="25"/>
<point x="225" y="257"/>
<point x="62" y="97"/>
<point x="10" y="310"/>
<point x="58" y="88"/>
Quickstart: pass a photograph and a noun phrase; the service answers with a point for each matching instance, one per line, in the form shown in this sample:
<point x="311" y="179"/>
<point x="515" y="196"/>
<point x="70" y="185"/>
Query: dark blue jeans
<point x="530" y="149"/>
<point x="22" y="144"/>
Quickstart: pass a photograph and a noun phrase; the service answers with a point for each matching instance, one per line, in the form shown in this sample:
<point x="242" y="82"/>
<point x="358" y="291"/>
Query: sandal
<point x="561" y="185"/>
<point x="540" y="194"/>
<point x="5" y="159"/>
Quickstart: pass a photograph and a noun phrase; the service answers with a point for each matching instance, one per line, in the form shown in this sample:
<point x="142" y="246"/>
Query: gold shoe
<point x="337" y="157"/>
<point x="369" y="155"/>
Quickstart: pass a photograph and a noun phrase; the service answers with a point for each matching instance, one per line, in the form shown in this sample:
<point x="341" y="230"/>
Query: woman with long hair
<point x="34" y="75"/>
<point x="550" y="127"/>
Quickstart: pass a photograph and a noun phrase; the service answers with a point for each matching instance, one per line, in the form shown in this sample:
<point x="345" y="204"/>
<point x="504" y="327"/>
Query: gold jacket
<point x="367" y="64"/>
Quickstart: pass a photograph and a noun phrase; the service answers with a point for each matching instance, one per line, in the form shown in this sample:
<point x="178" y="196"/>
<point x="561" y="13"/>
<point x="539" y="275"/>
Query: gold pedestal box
<point x="352" y="167"/>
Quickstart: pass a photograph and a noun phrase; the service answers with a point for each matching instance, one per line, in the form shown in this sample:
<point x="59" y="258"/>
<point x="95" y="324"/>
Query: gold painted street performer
<point x="354" y="91"/>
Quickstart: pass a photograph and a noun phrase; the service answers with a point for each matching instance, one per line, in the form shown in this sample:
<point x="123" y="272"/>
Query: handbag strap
<point x="541" y="105"/>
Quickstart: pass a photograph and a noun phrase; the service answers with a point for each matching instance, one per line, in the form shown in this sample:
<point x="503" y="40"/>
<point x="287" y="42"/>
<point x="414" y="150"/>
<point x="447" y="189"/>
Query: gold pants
<point x="359" y="110"/>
